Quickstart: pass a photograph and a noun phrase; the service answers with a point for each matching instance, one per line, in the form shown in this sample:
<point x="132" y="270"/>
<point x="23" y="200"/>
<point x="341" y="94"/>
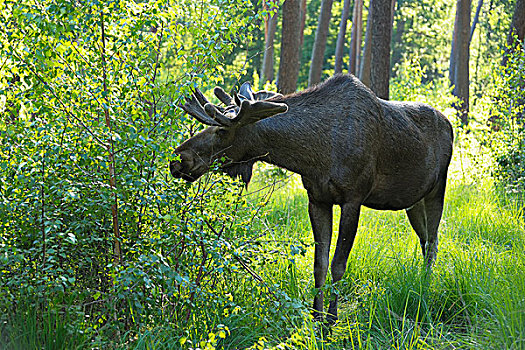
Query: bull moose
<point x="350" y="148"/>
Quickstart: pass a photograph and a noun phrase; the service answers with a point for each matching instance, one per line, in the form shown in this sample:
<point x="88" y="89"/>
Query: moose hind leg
<point x="417" y="216"/>
<point x="347" y="231"/>
<point x="434" y="210"/>
<point x="321" y="219"/>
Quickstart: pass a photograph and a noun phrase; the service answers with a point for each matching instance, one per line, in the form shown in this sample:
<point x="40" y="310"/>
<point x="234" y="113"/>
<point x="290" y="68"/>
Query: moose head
<point x="220" y="139"/>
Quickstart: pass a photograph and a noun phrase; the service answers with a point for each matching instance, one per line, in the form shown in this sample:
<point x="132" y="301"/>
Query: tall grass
<point x="49" y="328"/>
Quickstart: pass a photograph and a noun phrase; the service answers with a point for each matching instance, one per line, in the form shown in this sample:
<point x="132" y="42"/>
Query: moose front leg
<point x="347" y="230"/>
<point x="321" y="219"/>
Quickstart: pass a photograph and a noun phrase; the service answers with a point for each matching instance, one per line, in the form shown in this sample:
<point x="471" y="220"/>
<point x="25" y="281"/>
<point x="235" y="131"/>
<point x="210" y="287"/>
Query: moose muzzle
<point x="179" y="171"/>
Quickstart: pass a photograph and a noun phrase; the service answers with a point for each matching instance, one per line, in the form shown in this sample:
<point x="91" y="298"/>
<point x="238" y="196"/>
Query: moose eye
<point x="221" y="132"/>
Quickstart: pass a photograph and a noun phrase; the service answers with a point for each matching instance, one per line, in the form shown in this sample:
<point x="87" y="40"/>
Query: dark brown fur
<point x="351" y="149"/>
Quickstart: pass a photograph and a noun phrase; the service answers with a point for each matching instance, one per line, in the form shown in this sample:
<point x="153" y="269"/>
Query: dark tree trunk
<point x="461" y="56"/>
<point x="364" y="71"/>
<point x="339" y="48"/>
<point x="381" y="37"/>
<point x="290" y="46"/>
<point x="359" y="37"/>
<point x="393" y="9"/>
<point x="355" y="41"/>
<point x="476" y="19"/>
<point x="270" y="26"/>
<point x="316" y="67"/>
<point x="303" y="20"/>
<point x="517" y="28"/>
<point x="452" y="63"/>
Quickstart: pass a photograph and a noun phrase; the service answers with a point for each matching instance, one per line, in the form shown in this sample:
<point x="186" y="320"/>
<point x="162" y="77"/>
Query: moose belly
<point x="397" y="195"/>
<point x="390" y="203"/>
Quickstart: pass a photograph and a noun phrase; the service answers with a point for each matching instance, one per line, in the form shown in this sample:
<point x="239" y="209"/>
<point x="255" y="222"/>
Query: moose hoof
<point x="331" y="319"/>
<point x="318" y="316"/>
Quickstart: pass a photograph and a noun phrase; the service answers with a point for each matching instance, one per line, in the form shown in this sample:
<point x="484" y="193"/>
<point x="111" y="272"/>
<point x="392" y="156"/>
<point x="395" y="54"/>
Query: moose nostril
<point x="175" y="167"/>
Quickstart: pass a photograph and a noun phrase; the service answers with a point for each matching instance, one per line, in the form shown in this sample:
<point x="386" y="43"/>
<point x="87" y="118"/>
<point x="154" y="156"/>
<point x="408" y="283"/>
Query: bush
<point x="95" y="235"/>
<point x="411" y="84"/>
<point x="507" y="121"/>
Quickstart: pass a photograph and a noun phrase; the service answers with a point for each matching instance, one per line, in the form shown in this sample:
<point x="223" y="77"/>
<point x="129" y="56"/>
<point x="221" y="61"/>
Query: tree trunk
<point x="303" y="21"/>
<point x="381" y="37"/>
<point x="339" y="48"/>
<point x="270" y="26"/>
<point x="517" y="28"/>
<point x="355" y="41"/>
<point x="316" y="67"/>
<point x="364" y="71"/>
<point x="359" y="37"/>
<point x="393" y="9"/>
<point x="452" y="63"/>
<point x="476" y="19"/>
<point x="461" y="56"/>
<point x="290" y="46"/>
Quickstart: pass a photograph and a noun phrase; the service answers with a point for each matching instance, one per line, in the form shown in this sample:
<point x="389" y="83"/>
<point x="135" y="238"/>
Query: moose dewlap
<point x="350" y="148"/>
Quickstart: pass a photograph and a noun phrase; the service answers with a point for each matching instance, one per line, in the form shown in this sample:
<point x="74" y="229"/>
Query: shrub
<point x="93" y="229"/>
<point x="507" y="123"/>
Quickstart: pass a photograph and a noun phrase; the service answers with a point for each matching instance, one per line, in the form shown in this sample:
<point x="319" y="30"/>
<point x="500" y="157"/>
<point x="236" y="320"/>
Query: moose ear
<point x="265" y="95"/>
<point x="246" y="92"/>
<point x="251" y="112"/>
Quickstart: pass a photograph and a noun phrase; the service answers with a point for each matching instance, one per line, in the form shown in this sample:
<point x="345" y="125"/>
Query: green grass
<point x="49" y="328"/>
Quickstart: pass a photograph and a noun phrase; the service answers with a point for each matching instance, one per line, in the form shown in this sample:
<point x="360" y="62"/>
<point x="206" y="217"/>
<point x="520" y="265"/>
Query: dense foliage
<point x="89" y="216"/>
<point x="507" y="121"/>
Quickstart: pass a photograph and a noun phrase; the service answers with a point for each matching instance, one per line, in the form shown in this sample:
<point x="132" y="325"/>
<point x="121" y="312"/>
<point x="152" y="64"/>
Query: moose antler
<point x="250" y="107"/>
<point x="265" y="95"/>
<point x="194" y="108"/>
<point x="223" y="96"/>
<point x="246" y="92"/>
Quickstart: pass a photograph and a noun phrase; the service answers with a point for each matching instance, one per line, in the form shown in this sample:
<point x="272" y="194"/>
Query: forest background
<point x="101" y="248"/>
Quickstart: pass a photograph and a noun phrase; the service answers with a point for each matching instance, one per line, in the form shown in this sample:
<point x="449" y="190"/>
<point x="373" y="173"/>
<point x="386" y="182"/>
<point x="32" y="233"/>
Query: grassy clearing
<point x="475" y="297"/>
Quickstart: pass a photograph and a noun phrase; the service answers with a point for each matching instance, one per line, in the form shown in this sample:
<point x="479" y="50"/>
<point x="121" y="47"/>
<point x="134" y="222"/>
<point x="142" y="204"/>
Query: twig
<point x="158" y="54"/>
<point x="275" y="182"/>
<point x="42" y="193"/>
<point x="244" y="265"/>
<point x="197" y="279"/>
<point x="112" y="181"/>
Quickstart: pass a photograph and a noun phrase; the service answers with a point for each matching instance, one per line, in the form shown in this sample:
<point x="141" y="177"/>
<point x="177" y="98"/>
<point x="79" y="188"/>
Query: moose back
<point x="350" y="148"/>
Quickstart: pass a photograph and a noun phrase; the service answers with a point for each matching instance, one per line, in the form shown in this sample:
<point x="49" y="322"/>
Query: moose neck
<point x="324" y="127"/>
<point x="291" y="140"/>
